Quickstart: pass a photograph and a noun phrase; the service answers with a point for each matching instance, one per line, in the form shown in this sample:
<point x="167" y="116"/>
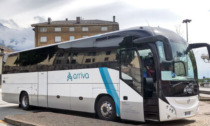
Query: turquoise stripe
<point x="110" y="87"/>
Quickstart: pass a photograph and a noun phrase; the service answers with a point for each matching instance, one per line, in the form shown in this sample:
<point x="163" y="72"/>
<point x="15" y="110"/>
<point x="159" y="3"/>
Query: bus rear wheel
<point x="106" y="109"/>
<point x="24" y="101"/>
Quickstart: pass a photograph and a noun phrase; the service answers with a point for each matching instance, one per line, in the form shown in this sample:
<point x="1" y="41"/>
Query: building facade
<point x="5" y="49"/>
<point x="58" y="31"/>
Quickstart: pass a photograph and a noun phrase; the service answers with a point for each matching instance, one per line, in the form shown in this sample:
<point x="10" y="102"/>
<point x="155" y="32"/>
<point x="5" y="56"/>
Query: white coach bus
<point x="138" y="74"/>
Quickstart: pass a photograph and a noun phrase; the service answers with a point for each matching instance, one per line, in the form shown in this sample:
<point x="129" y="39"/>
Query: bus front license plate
<point x="187" y="113"/>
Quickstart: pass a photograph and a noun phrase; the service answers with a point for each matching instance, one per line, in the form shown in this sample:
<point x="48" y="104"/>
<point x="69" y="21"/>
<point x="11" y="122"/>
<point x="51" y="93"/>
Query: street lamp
<point x="186" y="21"/>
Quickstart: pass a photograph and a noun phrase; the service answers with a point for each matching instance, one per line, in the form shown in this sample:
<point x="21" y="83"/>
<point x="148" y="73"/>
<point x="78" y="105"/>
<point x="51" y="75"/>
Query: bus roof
<point x="147" y="29"/>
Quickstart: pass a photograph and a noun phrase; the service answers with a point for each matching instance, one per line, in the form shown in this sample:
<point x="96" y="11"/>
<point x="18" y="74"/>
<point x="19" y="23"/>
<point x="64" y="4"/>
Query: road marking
<point x="2" y="122"/>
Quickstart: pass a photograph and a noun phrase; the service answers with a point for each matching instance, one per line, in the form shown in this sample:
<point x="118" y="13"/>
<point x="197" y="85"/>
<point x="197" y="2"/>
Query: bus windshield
<point x="183" y="66"/>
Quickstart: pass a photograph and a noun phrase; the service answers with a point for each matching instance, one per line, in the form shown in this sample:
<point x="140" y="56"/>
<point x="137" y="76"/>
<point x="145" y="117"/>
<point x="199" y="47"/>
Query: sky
<point x="18" y="15"/>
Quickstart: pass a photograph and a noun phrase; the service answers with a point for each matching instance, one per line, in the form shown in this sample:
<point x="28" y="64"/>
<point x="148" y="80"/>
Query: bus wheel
<point x="106" y="109"/>
<point x="24" y="101"/>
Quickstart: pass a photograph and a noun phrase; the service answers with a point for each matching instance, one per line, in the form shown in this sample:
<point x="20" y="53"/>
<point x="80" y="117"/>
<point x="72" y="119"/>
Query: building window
<point x="58" y="61"/>
<point x="84" y="36"/>
<point x="57" y="38"/>
<point x="43" y="29"/>
<point x="75" y="54"/>
<point x="93" y="60"/>
<point x="104" y="28"/>
<point x="108" y="52"/>
<point x="106" y="59"/>
<point x="91" y="53"/>
<point x="60" y="55"/>
<point x="73" y="61"/>
<point x="84" y="28"/>
<point x="87" y="60"/>
<point x="57" y="29"/>
<point x="71" y="29"/>
<point x="43" y="39"/>
<point x="71" y="38"/>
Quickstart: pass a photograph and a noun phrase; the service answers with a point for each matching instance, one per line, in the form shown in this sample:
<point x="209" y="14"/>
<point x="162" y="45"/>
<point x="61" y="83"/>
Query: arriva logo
<point x="77" y="76"/>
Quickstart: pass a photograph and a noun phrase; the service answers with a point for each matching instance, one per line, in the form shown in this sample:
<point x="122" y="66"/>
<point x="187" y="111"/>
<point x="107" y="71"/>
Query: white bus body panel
<point x="42" y="89"/>
<point x="131" y="109"/>
<point x="13" y="84"/>
<point x="72" y="84"/>
<point x="179" y="105"/>
<point x="61" y="90"/>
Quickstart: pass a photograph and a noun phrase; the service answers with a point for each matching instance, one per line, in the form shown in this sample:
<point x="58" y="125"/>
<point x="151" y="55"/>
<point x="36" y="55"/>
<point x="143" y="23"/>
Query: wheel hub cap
<point x="25" y="101"/>
<point x="106" y="109"/>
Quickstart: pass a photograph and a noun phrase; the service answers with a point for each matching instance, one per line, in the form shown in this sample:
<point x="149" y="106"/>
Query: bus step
<point x="151" y="108"/>
<point x="155" y="120"/>
<point x="151" y="102"/>
<point x="151" y="116"/>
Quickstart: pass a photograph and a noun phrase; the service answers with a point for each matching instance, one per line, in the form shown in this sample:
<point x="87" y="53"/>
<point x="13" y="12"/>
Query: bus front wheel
<point x="106" y="108"/>
<point x="24" y="101"/>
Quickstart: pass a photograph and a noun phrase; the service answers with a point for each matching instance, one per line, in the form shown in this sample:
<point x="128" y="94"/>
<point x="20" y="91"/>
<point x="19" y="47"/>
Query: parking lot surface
<point x="64" y="118"/>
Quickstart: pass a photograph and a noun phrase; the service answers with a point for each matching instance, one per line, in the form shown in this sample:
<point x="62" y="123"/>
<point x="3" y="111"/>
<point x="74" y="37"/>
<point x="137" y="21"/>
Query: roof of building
<point x="8" y="49"/>
<point x="74" y="22"/>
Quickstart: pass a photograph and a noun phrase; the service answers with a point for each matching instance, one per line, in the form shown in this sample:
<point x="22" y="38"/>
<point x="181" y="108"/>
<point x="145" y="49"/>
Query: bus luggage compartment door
<point x="42" y="89"/>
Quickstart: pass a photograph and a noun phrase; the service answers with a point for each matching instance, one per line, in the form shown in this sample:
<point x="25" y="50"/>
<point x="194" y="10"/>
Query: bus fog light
<point x="168" y="116"/>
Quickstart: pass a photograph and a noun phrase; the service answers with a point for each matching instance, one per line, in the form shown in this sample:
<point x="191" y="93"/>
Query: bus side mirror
<point x="154" y="39"/>
<point x="198" y="45"/>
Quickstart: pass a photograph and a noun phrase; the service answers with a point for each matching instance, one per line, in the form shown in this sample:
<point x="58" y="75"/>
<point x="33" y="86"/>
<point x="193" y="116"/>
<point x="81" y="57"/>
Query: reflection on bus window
<point x="53" y="58"/>
<point x="160" y="47"/>
<point x="183" y="64"/>
<point x="130" y="69"/>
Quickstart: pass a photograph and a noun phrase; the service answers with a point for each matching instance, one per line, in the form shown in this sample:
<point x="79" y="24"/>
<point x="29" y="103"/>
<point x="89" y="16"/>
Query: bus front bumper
<point x="178" y="108"/>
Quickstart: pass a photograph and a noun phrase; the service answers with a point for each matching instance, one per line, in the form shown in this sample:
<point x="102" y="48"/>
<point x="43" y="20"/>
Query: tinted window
<point x="108" y="52"/>
<point x="87" y="60"/>
<point x="130" y="69"/>
<point x="106" y="59"/>
<point x="30" y="61"/>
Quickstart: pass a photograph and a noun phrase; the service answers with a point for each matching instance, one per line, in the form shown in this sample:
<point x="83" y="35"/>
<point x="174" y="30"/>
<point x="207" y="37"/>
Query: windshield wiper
<point x="187" y="82"/>
<point x="177" y="84"/>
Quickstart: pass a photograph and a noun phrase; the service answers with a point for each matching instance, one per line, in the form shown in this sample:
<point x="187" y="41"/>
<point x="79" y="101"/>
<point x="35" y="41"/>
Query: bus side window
<point x="130" y="69"/>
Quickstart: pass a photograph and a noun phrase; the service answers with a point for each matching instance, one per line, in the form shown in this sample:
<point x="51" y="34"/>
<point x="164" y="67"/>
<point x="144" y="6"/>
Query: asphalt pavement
<point x="9" y="109"/>
<point x="60" y="119"/>
<point x="41" y="116"/>
<point x="205" y="92"/>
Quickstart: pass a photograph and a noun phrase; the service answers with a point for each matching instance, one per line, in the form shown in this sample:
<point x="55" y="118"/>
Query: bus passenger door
<point x="42" y="89"/>
<point x="131" y="88"/>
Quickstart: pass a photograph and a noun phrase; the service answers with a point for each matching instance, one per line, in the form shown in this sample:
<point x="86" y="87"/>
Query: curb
<point x="17" y="122"/>
<point x="204" y="92"/>
<point x="204" y="99"/>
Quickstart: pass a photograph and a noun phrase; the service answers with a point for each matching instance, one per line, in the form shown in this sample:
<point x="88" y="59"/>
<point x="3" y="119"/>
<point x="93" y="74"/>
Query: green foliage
<point x="202" y="80"/>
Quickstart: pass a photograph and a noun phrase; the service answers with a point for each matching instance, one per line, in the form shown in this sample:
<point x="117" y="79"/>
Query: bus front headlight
<point x="171" y="109"/>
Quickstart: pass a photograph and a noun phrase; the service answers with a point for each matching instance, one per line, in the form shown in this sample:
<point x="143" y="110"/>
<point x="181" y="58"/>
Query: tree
<point x="179" y="31"/>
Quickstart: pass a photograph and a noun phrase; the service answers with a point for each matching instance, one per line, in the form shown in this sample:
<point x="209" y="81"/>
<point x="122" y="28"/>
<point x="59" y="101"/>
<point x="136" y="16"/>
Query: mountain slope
<point x="16" y="39"/>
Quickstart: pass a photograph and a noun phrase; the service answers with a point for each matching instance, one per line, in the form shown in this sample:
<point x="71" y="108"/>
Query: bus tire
<point x="106" y="109"/>
<point x="24" y="101"/>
